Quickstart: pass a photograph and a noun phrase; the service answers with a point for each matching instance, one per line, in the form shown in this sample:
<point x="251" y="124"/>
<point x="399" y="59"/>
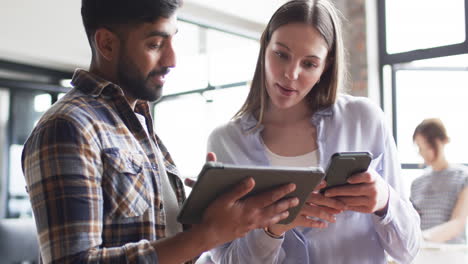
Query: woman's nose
<point x="292" y="71"/>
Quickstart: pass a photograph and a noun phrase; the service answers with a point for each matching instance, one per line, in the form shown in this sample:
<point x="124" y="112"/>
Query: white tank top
<point x="306" y="160"/>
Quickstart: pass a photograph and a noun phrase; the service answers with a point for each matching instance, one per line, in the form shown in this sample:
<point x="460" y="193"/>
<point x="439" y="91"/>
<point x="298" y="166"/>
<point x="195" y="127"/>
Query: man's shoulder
<point x="75" y="107"/>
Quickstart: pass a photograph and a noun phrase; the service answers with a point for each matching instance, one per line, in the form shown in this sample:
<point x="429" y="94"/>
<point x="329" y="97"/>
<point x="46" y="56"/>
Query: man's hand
<point x="316" y="206"/>
<point x="230" y="217"/>
<point x="367" y="193"/>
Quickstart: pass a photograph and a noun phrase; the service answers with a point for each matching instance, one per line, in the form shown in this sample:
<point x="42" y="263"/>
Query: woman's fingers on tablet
<point x="319" y="199"/>
<point x="310" y="222"/>
<point x="189" y="182"/>
<point x="321" y="185"/>
<point x="210" y="156"/>
<point x="324" y="213"/>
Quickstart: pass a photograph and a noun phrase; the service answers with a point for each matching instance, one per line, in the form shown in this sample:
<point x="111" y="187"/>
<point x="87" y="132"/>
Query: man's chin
<point x="152" y="95"/>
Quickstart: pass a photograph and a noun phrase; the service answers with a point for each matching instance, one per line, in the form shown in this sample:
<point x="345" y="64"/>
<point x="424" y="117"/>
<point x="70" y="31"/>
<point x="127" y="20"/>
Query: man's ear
<point x="106" y="43"/>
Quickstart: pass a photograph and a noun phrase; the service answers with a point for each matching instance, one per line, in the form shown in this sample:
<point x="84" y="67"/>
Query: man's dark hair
<point x="112" y="13"/>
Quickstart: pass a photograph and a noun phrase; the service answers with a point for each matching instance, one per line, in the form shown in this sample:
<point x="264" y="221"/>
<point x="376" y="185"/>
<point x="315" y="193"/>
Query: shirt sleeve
<point x="63" y="169"/>
<point x="256" y="248"/>
<point x="399" y="229"/>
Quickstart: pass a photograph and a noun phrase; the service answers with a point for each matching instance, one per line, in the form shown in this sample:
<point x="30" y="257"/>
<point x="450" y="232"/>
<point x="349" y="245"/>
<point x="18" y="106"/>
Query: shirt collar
<point x="91" y="84"/>
<point x="248" y="121"/>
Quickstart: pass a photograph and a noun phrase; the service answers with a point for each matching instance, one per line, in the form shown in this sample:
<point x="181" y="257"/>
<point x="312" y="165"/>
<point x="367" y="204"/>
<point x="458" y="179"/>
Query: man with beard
<point x="103" y="187"/>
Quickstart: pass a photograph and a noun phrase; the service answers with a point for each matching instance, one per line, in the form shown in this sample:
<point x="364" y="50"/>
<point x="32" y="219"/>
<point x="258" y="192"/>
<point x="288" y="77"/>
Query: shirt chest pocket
<point x="124" y="184"/>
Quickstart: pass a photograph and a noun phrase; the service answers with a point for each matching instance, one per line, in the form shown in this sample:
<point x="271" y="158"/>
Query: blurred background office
<point x="409" y="57"/>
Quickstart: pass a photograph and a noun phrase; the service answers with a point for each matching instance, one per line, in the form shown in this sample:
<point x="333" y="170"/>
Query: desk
<point x="437" y="253"/>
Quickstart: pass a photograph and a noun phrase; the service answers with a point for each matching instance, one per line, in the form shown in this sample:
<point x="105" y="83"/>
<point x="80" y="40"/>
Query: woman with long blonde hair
<point x="295" y="115"/>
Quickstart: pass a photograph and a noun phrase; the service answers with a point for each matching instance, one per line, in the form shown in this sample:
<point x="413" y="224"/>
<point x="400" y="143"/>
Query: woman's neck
<point x="295" y="114"/>
<point x="440" y="164"/>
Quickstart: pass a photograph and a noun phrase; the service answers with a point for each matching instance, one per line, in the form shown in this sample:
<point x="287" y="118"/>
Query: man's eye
<point x="154" y="46"/>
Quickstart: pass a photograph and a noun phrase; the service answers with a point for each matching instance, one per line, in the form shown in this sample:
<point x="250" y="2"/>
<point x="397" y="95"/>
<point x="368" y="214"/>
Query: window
<point x="184" y="123"/>
<point x="213" y="90"/>
<point x="231" y="58"/>
<point x="26" y="109"/>
<point x="424" y="72"/>
<point x="191" y="71"/>
<point x="421" y="24"/>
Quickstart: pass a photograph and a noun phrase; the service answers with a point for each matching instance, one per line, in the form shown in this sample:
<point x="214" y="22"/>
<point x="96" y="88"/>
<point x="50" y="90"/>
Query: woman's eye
<point x="281" y="54"/>
<point x="308" y="64"/>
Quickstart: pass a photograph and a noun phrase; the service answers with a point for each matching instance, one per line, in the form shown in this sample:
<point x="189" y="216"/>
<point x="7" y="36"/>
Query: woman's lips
<point x="286" y="91"/>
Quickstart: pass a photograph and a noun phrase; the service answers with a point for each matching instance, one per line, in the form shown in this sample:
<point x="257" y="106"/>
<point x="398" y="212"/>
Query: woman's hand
<point x="317" y="212"/>
<point x="366" y="193"/>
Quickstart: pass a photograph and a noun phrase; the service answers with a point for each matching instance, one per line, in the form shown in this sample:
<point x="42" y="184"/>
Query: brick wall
<point x="354" y="30"/>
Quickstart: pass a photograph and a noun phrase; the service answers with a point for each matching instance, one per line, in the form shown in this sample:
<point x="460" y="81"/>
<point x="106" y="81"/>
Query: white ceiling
<point x="50" y="32"/>
<point x="258" y="11"/>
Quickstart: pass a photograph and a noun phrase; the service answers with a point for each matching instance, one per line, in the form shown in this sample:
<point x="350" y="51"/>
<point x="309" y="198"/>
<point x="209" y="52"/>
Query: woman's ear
<point x="106" y="44"/>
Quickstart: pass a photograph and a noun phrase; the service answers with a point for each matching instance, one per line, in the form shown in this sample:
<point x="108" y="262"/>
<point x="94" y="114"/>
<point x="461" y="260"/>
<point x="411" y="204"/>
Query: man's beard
<point x="135" y="84"/>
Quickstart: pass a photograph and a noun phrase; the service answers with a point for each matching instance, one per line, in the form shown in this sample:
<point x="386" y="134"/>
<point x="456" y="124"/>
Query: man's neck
<point x="112" y="78"/>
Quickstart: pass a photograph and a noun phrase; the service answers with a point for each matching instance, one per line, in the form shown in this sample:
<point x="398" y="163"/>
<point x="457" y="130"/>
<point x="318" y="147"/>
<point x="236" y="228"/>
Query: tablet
<point x="217" y="178"/>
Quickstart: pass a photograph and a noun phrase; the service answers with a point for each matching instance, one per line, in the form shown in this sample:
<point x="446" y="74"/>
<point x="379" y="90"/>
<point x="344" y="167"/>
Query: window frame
<point x="51" y="86"/>
<point x="394" y="61"/>
<point x="50" y="83"/>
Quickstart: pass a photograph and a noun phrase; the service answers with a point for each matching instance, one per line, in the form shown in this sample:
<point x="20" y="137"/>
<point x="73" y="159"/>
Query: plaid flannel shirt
<point x="93" y="177"/>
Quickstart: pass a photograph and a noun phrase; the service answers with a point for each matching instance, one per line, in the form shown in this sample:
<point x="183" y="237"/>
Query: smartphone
<point x="343" y="165"/>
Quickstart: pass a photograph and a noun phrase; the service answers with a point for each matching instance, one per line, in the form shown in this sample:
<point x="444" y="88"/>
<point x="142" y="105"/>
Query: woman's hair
<point x="432" y="129"/>
<point x="325" y="18"/>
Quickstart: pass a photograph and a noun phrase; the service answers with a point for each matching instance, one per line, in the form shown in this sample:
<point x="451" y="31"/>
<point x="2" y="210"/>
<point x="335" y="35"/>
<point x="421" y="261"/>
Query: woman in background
<point x="295" y="116"/>
<point x="440" y="195"/>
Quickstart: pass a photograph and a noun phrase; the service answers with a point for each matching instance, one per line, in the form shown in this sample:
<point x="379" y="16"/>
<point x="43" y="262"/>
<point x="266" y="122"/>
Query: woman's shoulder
<point x="226" y="128"/>
<point x="459" y="171"/>
<point x="356" y="104"/>
<point x="355" y="110"/>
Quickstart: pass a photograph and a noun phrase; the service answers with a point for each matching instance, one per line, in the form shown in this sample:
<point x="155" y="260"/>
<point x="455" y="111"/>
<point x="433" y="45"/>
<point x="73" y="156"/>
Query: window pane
<point x="408" y="176"/>
<point x="231" y="58"/>
<point x="17" y="183"/>
<point x="425" y="94"/>
<point x="449" y="61"/>
<point x="191" y="71"/>
<point x="4" y="117"/>
<point x="184" y="124"/>
<point x="42" y="102"/>
<point x="27" y="108"/>
<point x="420" y="24"/>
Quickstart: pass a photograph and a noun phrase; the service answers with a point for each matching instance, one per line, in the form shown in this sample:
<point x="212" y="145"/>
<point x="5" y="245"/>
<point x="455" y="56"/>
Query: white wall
<point x="46" y="32"/>
<point x="50" y="32"/>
